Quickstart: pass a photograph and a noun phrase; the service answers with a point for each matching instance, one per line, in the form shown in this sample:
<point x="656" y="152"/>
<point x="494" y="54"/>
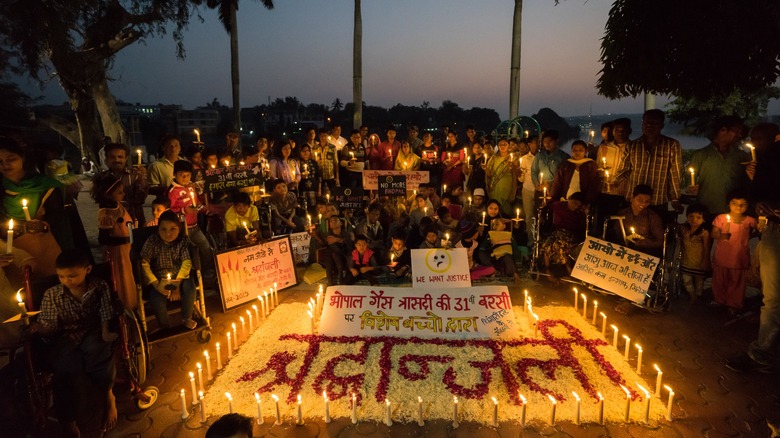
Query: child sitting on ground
<point x="400" y="256"/>
<point x="283" y="204"/>
<point x="242" y="221"/>
<point x="446" y="224"/>
<point x="431" y="237"/>
<point x="159" y="205"/>
<point x="362" y="264"/>
<point x="339" y="242"/>
<point x="166" y="264"/>
<point x="695" y="243"/>
<point x="75" y="316"/>
<point x="184" y="199"/>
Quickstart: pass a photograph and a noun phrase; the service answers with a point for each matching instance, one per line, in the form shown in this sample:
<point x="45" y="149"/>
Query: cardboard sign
<point x="232" y="177"/>
<point x="346" y="197"/>
<point x="615" y="268"/>
<point x="413" y="178"/>
<point x="300" y="246"/>
<point x="244" y="273"/>
<point x="440" y="268"/>
<point x="392" y="185"/>
<point x="478" y="312"/>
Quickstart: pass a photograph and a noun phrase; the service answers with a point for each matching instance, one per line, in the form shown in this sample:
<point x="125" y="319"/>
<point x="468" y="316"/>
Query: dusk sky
<point x="413" y="51"/>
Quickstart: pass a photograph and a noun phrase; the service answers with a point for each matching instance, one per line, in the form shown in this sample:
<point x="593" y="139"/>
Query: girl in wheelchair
<point x="165" y="266"/>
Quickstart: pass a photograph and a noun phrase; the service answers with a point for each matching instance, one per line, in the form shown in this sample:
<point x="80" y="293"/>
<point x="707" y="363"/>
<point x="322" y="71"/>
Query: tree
<point x="697" y="115"/>
<point x="357" y="68"/>
<point x="76" y="40"/>
<point x="337" y="105"/>
<point x="514" y="68"/>
<point x="227" y="15"/>
<point x="549" y="119"/>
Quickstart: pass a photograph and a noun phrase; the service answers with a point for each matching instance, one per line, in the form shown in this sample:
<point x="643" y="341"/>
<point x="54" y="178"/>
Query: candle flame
<point x="638" y="347"/>
<point x="602" y="314"/>
<point x="522" y="398"/>
<point x="234" y="325"/>
<point x="668" y="388"/>
<point x="241" y="318"/>
<point x="273" y="396"/>
<point x="647" y="393"/>
<point x="10" y="225"/>
<point x="257" y="397"/>
<point x="229" y="397"/>
<point x="455" y="400"/>
<point x="583" y="296"/>
<point x="198" y="365"/>
<point x="206" y="353"/>
<point x="749" y="145"/>
<point x="419" y="399"/>
<point x="495" y="402"/>
<point x="24" y="203"/>
<point x="552" y="399"/>
<point x="299" y="399"/>
<point x="248" y="312"/>
<point x="655" y="365"/>
<point x="577" y="397"/>
<point x="690" y="169"/>
<point x="254" y="306"/>
<point x="575" y="290"/>
<point x="387" y="402"/>
<point x="196" y="131"/>
<point x="601" y="397"/>
<point x="192" y="375"/>
<point x="628" y="393"/>
<point x="310" y="315"/>
<point x="200" y="394"/>
<point x="19" y="296"/>
<point x="325" y="395"/>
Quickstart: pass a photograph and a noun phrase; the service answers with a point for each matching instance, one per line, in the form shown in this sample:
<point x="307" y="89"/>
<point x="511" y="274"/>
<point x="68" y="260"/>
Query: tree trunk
<point x="108" y="112"/>
<point x="234" y="66"/>
<point x="90" y="134"/>
<point x="357" y="68"/>
<point x="514" y="69"/>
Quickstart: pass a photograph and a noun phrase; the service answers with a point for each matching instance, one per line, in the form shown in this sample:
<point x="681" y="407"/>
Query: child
<point x="283" y="205"/>
<point x="732" y="256"/>
<point x="423" y="209"/>
<point x="109" y="192"/>
<point x="431" y="237"/>
<point x="165" y="265"/>
<point x="75" y="315"/>
<point x="159" y="206"/>
<point x="338" y="242"/>
<point x="240" y="219"/>
<point x="362" y="263"/>
<point x="184" y="199"/>
<point x="310" y="177"/>
<point x="400" y="256"/>
<point x="695" y="243"/>
<point x="446" y="224"/>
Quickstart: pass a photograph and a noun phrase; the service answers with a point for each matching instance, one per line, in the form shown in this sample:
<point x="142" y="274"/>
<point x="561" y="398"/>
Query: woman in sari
<point x="501" y="173"/>
<point x="407" y="160"/>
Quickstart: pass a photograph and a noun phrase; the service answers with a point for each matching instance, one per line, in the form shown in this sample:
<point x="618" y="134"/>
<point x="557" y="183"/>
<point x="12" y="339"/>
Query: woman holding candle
<point x="501" y="173"/>
<point x="577" y="174"/>
<point x="453" y="159"/>
<point x="284" y="167"/>
<point x="407" y="160"/>
<point x="383" y="155"/>
<point x="474" y="169"/>
<point x="429" y="154"/>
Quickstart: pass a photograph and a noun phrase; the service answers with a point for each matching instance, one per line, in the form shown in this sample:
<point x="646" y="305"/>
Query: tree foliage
<point x="697" y="115"/>
<point x="690" y="49"/>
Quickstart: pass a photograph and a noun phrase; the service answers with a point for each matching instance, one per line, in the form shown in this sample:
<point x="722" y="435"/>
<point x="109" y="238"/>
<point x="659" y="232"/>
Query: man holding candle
<point x="133" y="179"/>
<point x="352" y="161"/>
<point x="546" y="162"/>
<point x="326" y="156"/>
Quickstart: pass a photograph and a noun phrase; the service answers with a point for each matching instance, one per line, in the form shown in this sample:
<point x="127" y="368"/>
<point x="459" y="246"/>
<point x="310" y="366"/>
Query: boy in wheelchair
<point x="165" y="266"/>
<point x="74" y="319"/>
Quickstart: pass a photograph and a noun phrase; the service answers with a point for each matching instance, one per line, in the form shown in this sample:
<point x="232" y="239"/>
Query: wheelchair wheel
<point x="137" y="345"/>
<point x="150" y="397"/>
<point x="204" y="336"/>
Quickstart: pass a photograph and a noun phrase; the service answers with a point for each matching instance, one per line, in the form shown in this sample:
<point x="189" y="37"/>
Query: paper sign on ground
<point x="440" y="268"/>
<point x="300" y="245"/>
<point x="477" y="312"/>
<point x="615" y="268"/>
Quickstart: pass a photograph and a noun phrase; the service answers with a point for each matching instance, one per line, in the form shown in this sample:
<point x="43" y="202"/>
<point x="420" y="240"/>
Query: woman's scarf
<point x="32" y="188"/>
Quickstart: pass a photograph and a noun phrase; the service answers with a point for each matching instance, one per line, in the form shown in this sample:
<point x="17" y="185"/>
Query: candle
<point x="276" y="295"/>
<point x="536" y="324"/>
<point x="495" y="412"/>
<point x="544" y="192"/>
<point x="606" y="175"/>
<point x="728" y="223"/>
<point x="354" y="408"/>
<point x="243" y="327"/>
<point x="524" y="404"/>
<point x="194" y="199"/>
<point x="202" y="407"/>
<point x="483" y="218"/>
<point x="511" y="156"/>
<point x="235" y="337"/>
<point x="420" y="421"/>
<point x="26" y="210"/>
<point x="603" y="323"/>
<point x="230" y="402"/>
<point x="257" y="313"/>
<point x="591" y="136"/>
<point x="526" y="134"/>
<point x="192" y="387"/>
<point x="200" y="376"/>
<point x="259" y="409"/>
<point x="576" y="297"/>
<point x="525" y="298"/>
<point x="669" y="403"/>
<point x="278" y="414"/>
<point x="209" y="375"/>
<point x="628" y="403"/>
<point x="184" y="413"/>
<point x="327" y="406"/>
<point x="9" y="243"/>
<point x="633" y="231"/>
<point x="595" y="311"/>
<point x="168" y="276"/>
<point x="446" y="239"/>
<point x="444" y="189"/>
<point x="584" y="306"/>
<point x="267" y="303"/>
<point x="392" y="258"/>
<point x="693" y="178"/>
<point x="752" y="151"/>
<point x="601" y="408"/>
<point x="638" y="359"/>
<point x="352" y="155"/>
<point x="647" y="402"/>
<point x="197" y="135"/>
<point x="246" y="227"/>
<point x="388" y="420"/>
<point x="627" y="346"/>
<point x="603" y="162"/>
<point x="138" y="152"/>
<point x="455" y="412"/>
<point x="614" y="336"/>
<point x="311" y="318"/>
<point x="230" y="346"/>
<point x="469" y="201"/>
<point x="22" y="305"/>
<point x="300" y="413"/>
<point x="658" y="378"/>
<point x="553" y="403"/>
<point x="577" y="409"/>
<point x="251" y="321"/>
<point x="517" y="212"/>
<point x="219" y="358"/>
<point x="227" y="163"/>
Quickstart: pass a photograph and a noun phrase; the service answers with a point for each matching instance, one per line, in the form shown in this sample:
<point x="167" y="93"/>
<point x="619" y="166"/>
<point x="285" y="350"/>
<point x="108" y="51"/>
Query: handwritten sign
<point x="244" y="273"/>
<point x="346" y="197"/>
<point x="300" y="246"/>
<point x="392" y="185"/>
<point x="441" y="269"/>
<point x="478" y="312"/>
<point x="615" y="268"/>
<point x="413" y="178"/>
<point x="232" y="177"/>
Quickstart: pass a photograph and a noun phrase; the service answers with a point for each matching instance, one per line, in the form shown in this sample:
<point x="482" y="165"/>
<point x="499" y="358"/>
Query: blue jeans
<point x="159" y="302"/>
<point x="763" y="349"/>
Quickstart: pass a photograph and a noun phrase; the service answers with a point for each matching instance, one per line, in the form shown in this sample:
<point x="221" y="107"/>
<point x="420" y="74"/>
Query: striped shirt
<point x="658" y="167"/>
<point x="73" y="318"/>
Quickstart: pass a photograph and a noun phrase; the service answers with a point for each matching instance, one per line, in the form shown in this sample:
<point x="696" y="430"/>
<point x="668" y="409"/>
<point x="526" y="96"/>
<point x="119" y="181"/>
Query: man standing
<point x="336" y="138"/>
<point x="133" y="180"/>
<point x="232" y="146"/>
<point x="327" y="159"/>
<point x="414" y="141"/>
<point x="654" y="159"/>
<point x="610" y="158"/>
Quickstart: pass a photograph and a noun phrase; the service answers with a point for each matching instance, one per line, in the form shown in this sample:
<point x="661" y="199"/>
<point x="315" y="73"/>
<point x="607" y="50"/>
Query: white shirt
<point x="525" y="167"/>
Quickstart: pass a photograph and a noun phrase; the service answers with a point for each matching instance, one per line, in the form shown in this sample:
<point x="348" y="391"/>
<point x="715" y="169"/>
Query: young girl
<point x="108" y="191"/>
<point x="695" y="242"/>
<point x="310" y="178"/>
<point x="732" y="256"/>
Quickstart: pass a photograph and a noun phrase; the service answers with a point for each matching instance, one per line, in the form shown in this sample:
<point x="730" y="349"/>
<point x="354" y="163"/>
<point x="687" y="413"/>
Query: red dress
<point x="115" y="220"/>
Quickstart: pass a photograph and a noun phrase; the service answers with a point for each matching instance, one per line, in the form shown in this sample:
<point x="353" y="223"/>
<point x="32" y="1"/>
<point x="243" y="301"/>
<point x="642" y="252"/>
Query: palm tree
<point x="227" y="15"/>
<point x="514" y="69"/>
<point x="357" y="68"/>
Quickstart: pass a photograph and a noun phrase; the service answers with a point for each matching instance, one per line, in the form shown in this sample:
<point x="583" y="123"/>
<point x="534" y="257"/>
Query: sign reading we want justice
<point x="466" y="313"/>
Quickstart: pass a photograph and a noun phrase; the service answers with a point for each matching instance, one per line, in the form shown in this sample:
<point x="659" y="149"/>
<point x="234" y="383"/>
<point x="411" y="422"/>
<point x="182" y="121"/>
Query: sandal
<point x="190" y="323"/>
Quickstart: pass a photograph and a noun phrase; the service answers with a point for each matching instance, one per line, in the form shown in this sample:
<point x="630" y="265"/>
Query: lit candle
<point x="627" y="346"/>
<point x="184" y="413"/>
<point x="577" y="409"/>
<point x="26" y="210"/>
<point x="202" y="407"/>
<point x="669" y="403"/>
<point x="524" y="404"/>
<point x="544" y="192"/>
<point x="392" y="258"/>
<point x="9" y="243"/>
<point x="603" y="162"/>
<point x="251" y="321"/>
<point x="455" y="412"/>
<point x="517" y="211"/>
<point x="603" y="323"/>
<point x="511" y="156"/>
<point x="469" y="201"/>
<point x="595" y="311"/>
<point x="193" y="198"/>
<point x="446" y="239"/>
<point x="614" y="335"/>
<point x="553" y="404"/>
<point x="425" y="211"/>
<point x="601" y="408"/>
<point x="658" y="378"/>
<point x="388" y="420"/>
<point x="259" y="409"/>
<point x="311" y="318"/>
<point x="693" y="178"/>
<point x="138" y="152"/>
<point x="235" y="336"/>
<point x="354" y="408"/>
<point x="647" y="402"/>
<point x="536" y="324"/>
<point x="526" y="134"/>
<point x="22" y="305"/>
<point x="192" y="387"/>
<point x="197" y="135"/>
<point x="525" y="298"/>
<point x="420" y="421"/>
<point x="444" y="188"/>
<point x="308" y="220"/>
<point x="230" y="346"/>
<point x="300" y="413"/>
<point x="638" y="359"/>
<point x="584" y="306"/>
<point x="327" y="197"/>
<point x="352" y="155"/>
<point x="276" y="295"/>
<point x="576" y="297"/>
<point x="591" y="136"/>
<point x="243" y="327"/>
<point x="752" y="151"/>
<point x="278" y="413"/>
<point x="209" y="375"/>
<point x="230" y="402"/>
<point x="168" y="276"/>
<point x="219" y="357"/>
<point x="483" y="218"/>
<point x="495" y="412"/>
<point x="327" y="406"/>
<point x="246" y="227"/>
<point x="257" y="313"/>
<point x="628" y="403"/>
<point x="267" y="303"/>
<point x="633" y="231"/>
<point x="227" y="163"/>
<point x="200" y="376"/>
<point x="728" y="223"/>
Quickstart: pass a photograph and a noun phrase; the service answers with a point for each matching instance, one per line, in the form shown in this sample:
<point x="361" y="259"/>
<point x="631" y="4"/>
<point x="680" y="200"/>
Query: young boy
<point x="159" y="206"/>
<point x="75" y="316"/>
<point x="240" y="219"/>
<point x="166" y="264"/>
<point x="446" y="224"/>
<point x="400" y="256"/>
<point x="184" y="199"/>
<point x="283" y="205"/>
<point x="339" y="243"/>
<point x="431" y="235"/>
<point x="362" y="263"/>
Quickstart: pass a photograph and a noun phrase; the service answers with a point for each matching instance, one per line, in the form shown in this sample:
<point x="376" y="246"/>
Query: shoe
<point x="190" y="323"/>
<point x="744" y="364"/>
